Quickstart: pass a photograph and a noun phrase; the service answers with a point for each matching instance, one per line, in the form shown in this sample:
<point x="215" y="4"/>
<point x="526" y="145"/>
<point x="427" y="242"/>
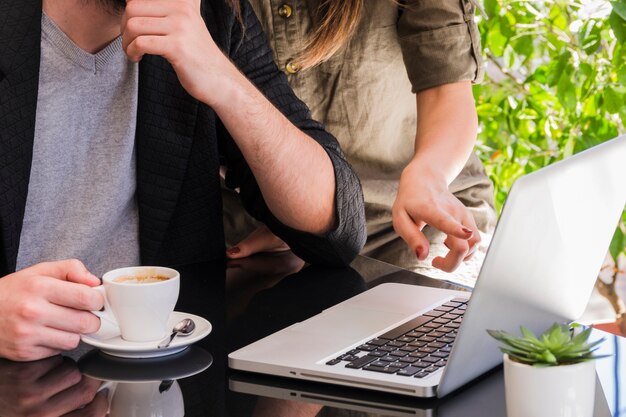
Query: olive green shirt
<point x="365" y="94"/>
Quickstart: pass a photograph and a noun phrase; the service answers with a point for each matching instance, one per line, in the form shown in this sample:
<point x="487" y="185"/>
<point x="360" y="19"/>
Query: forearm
<point x="293" y="171"/>
<point x="446" y="129"/>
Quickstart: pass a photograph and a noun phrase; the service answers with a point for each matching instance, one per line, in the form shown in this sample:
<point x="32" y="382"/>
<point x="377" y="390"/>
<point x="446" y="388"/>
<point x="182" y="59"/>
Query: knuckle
<point x="29" y="311"/>
<point x="141" y="42"/>
<point x="74" y="264"/>
<point x="70" y="341"/>
<point x="87" y="323"/>
<point x="85" y="395"/>
<point x="133" y="25"/>
<point x="22" y="353"/>
<point x="85" y="299"/>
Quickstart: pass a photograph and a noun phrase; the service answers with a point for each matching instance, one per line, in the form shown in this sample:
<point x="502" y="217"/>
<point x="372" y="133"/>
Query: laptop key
<point x="395" y="343"/>
<point x="452" y="304"/>
<point x="421" y="374"/>
<point x="377" y="353"/>
<point x="353" y="352"/>
<point x="458" y="312"/>
<point x="377" y="342"/>
<point x="408" y="359"/>
<point x="399" y="353"/>
<point x="434" y="313"/>
<point x="427" y="349"/>
<point x="362" y="361"/>
<point x="441" y="320"/>
<point x="404" y="339"/>
<point x="405" y="328"/>
<point x="333" y="361"/>
<point x="430" y="359"/>
<point x="418" y="354"/>
<point x="440" y="354"/>
<point x="432" y="368"/>
<point x="460" y="300"/>
<point x="385" y="370"/>
<point x="388" y="359"/>
<point x="409" y="348"/>
<point x="386" y="349"/>
<point x="399" y="365"/>
<point x="446" y="339"/>
<point x="415" y="334"/>
<point x="437" y="333"/>
<point x="418" y="343"/>
<point x="408" y="371"/>
<point x="428" y="339"/>
<point x="436" y="344"/>
<point x="441" y="363"/>
<point x="433" y="325"/>
<point x="348" y="358"/>
<point x="379" y="363"/>
<point x="445" y="309"/>
<point x="366" y="348"/>
<point x="446" y="349"/>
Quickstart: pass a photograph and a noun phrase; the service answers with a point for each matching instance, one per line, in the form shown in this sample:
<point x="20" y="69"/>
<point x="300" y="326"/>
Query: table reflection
<point x="245" y="301"/>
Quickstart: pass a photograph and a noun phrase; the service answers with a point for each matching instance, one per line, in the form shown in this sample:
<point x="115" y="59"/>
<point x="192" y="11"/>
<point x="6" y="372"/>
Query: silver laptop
<point x="548" y="247"/>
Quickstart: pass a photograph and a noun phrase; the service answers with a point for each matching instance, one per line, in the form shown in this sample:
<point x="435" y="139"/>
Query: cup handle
<point x="108" y="325"/>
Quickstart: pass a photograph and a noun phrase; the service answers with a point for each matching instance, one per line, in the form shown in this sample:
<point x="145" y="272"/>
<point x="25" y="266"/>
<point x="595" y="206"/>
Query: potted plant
<point x="550" y="375"/>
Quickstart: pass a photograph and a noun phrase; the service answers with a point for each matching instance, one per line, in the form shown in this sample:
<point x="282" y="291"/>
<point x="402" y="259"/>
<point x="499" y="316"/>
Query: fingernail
<point x="468" y="231"/>
<point x="418" y="252"/>
<point x="233" y="251"/>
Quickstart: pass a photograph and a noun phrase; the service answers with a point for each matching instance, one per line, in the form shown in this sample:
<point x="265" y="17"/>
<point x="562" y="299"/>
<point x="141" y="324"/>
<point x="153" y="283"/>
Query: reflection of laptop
<point x="541" y="266"/>
<point x="483" y="398"/>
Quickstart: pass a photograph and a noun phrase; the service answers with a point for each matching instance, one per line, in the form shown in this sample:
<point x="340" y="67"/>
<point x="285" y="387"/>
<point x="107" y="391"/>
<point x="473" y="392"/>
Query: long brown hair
<point x="337" y="21"/>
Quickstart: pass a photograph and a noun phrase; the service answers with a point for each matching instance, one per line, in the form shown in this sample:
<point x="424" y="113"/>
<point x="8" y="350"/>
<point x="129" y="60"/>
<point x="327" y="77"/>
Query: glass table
<point x="246" y="300"/>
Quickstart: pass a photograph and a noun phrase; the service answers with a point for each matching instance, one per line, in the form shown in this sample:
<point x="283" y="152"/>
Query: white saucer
<point x="116" y="346"/>
<point x="98" y="365"/>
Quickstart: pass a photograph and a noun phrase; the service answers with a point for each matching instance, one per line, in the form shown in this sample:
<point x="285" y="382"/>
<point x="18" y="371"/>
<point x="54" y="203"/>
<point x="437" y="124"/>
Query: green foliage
<point x="556" y="346"/>
<point x="556" y="84"/>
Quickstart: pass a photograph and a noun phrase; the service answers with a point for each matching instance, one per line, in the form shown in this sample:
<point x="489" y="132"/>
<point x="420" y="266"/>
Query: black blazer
<point x="180" y="144"/>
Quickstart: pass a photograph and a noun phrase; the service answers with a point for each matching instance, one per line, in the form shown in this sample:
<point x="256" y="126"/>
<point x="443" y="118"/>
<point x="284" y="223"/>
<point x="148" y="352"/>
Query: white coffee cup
<point x="136" y="307"/>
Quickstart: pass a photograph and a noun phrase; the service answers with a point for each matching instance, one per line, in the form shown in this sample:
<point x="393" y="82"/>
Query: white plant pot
<point x="554" y="391"/>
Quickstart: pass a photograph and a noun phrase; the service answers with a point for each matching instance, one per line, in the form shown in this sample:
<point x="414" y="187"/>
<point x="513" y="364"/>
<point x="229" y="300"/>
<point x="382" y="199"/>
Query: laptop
<point x="541" y="266"/>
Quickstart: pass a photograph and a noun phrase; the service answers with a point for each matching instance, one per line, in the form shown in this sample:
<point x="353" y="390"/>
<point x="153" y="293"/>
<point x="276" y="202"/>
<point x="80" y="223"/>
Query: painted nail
<point x="418" y="252"/>
<point x="233" y="251"/>
<point x="468" y="231"/>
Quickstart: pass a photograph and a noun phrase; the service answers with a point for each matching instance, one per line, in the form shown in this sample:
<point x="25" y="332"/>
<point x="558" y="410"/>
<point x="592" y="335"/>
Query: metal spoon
<point x="183" y="328"/>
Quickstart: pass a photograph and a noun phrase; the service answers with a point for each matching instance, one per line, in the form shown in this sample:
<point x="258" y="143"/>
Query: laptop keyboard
<point x="416" y="348"/>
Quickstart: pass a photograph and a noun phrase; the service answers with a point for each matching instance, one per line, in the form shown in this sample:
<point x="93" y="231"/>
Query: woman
<point x="393" y="84"/>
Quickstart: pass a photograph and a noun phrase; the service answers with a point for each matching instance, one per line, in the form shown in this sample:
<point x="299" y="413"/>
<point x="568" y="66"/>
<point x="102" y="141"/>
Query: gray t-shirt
<point x="81" y="199"/>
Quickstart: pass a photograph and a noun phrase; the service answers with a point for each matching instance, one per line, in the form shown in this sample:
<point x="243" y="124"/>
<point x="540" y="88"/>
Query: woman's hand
<point x="260" y="240"/>
<point x="424" y="199"/>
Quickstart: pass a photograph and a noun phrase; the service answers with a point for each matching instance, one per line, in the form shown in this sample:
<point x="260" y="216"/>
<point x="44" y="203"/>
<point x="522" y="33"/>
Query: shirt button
<point x="292" y="67"/>
<point x="285" y="11"/>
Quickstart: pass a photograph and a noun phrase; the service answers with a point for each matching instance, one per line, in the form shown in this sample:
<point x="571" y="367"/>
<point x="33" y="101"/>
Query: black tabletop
<point x="245" y="301"/>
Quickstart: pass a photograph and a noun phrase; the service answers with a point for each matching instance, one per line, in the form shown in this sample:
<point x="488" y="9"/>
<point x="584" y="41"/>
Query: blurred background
<point x="555" y="85"/>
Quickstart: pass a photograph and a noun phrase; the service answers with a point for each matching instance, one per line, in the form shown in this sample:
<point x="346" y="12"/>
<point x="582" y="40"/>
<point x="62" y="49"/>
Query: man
<point x="111" y="147"/>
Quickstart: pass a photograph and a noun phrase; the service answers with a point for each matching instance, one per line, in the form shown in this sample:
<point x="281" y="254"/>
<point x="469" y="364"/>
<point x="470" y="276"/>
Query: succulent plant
<point x="556" y="346"/>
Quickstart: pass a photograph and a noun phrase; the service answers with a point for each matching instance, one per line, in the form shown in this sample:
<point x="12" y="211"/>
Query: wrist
<point x="426" y="169"/>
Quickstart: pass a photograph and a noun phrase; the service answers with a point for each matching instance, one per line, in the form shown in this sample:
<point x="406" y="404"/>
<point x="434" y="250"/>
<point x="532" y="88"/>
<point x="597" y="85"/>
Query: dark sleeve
<point x="253" y="57"/>
<point x="440" y="42"/>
